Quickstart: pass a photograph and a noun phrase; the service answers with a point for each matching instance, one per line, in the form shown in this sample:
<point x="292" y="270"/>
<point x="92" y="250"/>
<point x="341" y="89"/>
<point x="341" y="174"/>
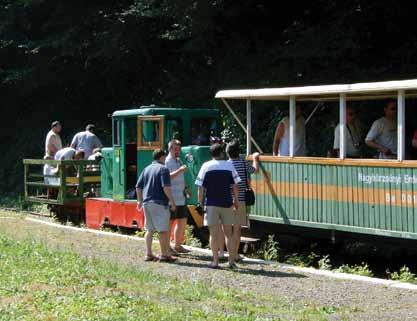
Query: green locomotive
<point x="136" y="133"/>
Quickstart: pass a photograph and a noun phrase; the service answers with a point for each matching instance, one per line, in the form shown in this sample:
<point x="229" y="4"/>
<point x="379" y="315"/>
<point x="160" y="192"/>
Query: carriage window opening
<point x="116" y="132"/>
<point x="202" y="129"/>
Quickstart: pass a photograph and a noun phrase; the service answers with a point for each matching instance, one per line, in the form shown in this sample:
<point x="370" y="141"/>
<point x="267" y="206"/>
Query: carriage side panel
<point x="364" y="198"/>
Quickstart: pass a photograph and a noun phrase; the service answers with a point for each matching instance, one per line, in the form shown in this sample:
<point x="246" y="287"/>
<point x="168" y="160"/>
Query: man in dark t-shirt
<point x="153" y="190"/>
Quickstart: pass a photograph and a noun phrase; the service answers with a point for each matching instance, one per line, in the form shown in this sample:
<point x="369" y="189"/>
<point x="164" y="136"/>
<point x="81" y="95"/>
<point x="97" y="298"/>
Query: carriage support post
<point x="342" y="121"/>
<point x="292" y="125"/>
<point x="401" y="125"/>
<point x="248" y="127"/>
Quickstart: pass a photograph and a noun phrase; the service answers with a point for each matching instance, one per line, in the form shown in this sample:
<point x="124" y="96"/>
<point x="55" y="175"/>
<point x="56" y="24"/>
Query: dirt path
<point x="351" y="300"/>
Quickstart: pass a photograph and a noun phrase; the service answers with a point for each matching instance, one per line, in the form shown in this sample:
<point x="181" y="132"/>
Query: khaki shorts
<point x="156" y="217"/>
<point x="219" y="215"/>
<point x="241" y="216"/>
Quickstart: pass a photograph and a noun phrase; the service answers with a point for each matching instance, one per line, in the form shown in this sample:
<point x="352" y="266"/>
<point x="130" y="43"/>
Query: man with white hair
<point x="176" y="170"/>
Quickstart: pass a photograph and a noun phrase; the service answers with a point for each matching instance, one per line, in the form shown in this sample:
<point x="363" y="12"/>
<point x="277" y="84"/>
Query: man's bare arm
<point x="168" y="193"/>
<point x="51" y="145"/>
<point x="279" y="133"/>
<point x="200" y="194"/>
<point x="235" y="189"/>
<point x="177" y="172"/>
<point x="373" y="144"/>
<point x="255" y="162"/>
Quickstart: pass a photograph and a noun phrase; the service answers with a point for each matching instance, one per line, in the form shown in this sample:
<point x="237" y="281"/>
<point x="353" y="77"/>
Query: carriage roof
<point x="358" y="91"/>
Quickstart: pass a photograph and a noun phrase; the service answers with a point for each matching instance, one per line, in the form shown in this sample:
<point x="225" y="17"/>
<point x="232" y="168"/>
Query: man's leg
<point x="230" y="242"/>
<point x="164" y="243"/>
<point x="236" y="237"/>
<point x="221" y="241"/>
<point x="214" y="242"/>
<point x="148" y="240"/>
<point x="149" y="229"/>
<point x="179" y="231"/>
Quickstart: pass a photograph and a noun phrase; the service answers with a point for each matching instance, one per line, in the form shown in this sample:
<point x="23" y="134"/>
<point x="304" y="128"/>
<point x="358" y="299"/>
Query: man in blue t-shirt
<point x="154" y="193"/>
<point x="214" y="181"/>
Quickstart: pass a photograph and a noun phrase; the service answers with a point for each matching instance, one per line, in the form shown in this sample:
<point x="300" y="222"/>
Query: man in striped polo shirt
<point x="244" y="170"/>
<point x="214" y="181"/>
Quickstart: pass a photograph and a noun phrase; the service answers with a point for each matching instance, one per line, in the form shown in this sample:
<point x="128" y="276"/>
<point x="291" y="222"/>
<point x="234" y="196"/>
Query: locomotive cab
<point x="136" y="134"/>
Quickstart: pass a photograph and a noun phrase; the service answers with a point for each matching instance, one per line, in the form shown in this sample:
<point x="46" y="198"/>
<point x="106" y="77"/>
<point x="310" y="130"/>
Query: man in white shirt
<point x="176" y="171"/>
<point x="86" y="141"/>
<point x="53" y="141"/>
<point x="383" y="134"/>
<point x="281" y="146"/>
<point x="353" y="134"/>
<point x="69" y="153"/>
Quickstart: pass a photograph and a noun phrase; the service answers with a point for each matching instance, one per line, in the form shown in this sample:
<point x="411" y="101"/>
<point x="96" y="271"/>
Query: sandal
<point x="181" y="249"/>
<point x="168" y="259"/>
<point x="239" y="259"/>
<point x="213" y="266"/>
<point x="150" y="258"/>
<point x="232" y="266"/>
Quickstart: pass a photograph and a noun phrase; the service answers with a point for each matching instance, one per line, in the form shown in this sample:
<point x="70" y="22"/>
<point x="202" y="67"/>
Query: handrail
<point x="69" y="188"/>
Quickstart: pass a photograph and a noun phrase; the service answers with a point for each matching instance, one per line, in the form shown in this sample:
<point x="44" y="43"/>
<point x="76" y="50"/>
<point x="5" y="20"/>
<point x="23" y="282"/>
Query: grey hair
<point x="173" y="143"/>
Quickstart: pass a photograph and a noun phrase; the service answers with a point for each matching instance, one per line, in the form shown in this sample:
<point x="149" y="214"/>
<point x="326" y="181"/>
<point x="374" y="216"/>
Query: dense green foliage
<point x="77" y="61"/>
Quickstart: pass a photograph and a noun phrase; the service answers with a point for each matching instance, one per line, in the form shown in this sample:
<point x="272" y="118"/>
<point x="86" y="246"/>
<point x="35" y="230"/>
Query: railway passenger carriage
<point x="368" y="196"/>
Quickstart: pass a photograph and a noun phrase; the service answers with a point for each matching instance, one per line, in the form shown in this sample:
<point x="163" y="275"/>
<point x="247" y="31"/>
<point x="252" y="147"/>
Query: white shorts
<point x="156" y="217"/>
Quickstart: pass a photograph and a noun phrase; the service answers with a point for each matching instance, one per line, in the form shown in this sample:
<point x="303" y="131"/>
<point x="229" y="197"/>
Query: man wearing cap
<point x="86" y="141"/>
<point x="53" y="141"/>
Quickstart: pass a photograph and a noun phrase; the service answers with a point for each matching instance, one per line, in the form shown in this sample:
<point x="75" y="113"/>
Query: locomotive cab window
<point x="174" y="129"/>
<point x="203" y="130"/>
<point x="116" y="132"/>
<point x="150" y="132"/>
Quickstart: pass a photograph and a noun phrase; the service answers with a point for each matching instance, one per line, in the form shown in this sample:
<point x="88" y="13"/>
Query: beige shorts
<point x="156" y="217"/>
<point x="219" y="215"/>
<point x="241" y="216"/>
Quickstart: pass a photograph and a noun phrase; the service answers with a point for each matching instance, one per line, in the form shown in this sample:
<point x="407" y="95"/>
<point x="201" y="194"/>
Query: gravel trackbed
<point x="355" y="300"/>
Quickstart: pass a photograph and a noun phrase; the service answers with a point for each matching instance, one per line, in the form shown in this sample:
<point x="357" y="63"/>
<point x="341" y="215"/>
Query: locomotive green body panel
<point x="107" y="173"/>
<point x="193" y="157"/>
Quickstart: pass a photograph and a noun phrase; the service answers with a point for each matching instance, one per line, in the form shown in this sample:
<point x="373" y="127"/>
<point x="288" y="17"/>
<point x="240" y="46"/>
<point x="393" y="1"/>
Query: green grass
<point x="40" y="284"/>
<point x="18" y="202"/>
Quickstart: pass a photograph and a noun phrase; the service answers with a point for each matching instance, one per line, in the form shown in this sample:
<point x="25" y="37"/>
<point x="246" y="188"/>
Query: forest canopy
<point x="78" y="61"/>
